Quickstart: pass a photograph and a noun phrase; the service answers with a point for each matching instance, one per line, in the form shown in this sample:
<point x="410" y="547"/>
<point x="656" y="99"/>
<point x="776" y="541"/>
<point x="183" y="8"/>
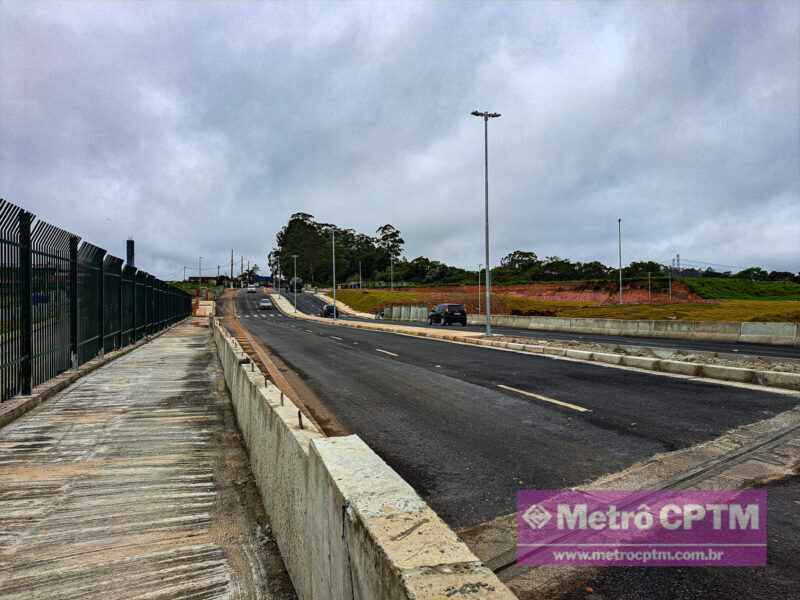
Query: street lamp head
<point x="485" y="115"/>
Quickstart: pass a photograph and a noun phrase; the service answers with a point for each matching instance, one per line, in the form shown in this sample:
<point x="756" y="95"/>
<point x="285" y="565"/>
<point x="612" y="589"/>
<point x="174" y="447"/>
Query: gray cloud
<point x="197" y="128"/>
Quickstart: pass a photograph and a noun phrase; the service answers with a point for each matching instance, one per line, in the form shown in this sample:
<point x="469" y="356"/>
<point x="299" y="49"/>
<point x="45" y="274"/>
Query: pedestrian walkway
<point x="133" y="483"/>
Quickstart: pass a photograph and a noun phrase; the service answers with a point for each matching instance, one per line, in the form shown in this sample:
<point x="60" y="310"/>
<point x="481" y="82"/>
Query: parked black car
<point x="328" y="311"/>
<point x="447" y="314"/>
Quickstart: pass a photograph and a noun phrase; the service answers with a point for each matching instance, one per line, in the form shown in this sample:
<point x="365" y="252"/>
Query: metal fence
<point x="63" y="302"/>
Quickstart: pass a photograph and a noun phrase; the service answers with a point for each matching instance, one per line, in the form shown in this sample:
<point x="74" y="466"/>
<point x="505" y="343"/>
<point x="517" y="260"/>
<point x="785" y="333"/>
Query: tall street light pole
<point x="200" y="268"/>
<point x="333" y="263"/>
<point x="619" y="224"/>
<point x="479" y="288"/>
<point x="486" y="116"/>
<point x="294" y="257"/>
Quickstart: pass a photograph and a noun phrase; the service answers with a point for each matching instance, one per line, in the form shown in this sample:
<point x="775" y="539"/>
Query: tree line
<point x="379" y="258"/>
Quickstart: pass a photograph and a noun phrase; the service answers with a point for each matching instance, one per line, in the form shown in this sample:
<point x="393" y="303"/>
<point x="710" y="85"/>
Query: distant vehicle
<point x="265" y="304"/>
<point x="295" y="284"/>
<point x="447" y="314"/>
<point x="329" y="312"/>
<point x="251" y="289"/>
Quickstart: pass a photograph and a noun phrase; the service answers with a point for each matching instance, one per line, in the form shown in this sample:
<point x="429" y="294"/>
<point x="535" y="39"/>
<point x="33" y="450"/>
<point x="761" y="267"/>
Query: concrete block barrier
<point x="728" y="373"/>
<point x="778" y="379"/>
<point x="347" y="525"/>
<point x="579" y="354"/>
<point x="679" y="367"/>
<point x="641" y="362"/>
<point x="787" y="334"/>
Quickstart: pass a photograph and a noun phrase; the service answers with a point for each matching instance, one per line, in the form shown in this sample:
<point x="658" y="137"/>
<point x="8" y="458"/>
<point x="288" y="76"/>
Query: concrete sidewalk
<point x="133" y="483"/>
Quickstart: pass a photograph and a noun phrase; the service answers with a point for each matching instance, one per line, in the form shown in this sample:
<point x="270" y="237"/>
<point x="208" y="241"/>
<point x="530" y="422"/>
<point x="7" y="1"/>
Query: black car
<point x="329" y="311"/>
<point x="447" y="314"/>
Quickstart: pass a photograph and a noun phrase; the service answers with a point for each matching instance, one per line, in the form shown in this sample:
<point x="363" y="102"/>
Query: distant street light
<point x="200" y="268"/>
<point x="333" y="261"/>
<point x="486" y="116"/>
<point x="294" y="257"/>
<point x="619" y="224"/>
<point x="479" y="288"/>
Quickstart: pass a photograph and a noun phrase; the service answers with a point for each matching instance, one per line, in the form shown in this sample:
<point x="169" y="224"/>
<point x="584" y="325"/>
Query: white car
<point x="251" y="289"/>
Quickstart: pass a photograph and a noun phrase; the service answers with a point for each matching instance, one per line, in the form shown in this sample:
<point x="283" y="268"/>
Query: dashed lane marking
<point x="387" y="352"/>
<point x="333" y="337"/>
<point x="544" y="398"/>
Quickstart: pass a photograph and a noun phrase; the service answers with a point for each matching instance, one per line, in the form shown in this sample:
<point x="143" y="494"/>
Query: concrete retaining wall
<point x="406" y="312"/>
<point x="786" y="334"/>
<point x="347" y="525"/>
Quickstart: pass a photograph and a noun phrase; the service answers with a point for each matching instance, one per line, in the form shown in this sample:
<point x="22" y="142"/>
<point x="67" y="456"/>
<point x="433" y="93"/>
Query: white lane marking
<point x="386" y="352"/>
<point x="308" y="331"/>
<point x="545" y="398"/>
<point x="333" y="337"/>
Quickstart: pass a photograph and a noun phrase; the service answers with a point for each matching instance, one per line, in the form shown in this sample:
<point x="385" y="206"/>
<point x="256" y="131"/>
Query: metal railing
<point x="63" y="303"/>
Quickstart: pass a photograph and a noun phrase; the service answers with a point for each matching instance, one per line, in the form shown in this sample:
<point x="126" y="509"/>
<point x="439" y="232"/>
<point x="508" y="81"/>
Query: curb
<point x="775" y="379"/>
<point x="12" y="409"/>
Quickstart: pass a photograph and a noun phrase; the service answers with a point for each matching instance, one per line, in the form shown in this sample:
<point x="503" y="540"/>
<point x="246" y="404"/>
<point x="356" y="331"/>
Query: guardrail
<point x="63" y="302"/>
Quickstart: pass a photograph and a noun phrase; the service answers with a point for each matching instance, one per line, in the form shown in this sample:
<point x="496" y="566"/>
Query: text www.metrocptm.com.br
<point x="642" y="556"/>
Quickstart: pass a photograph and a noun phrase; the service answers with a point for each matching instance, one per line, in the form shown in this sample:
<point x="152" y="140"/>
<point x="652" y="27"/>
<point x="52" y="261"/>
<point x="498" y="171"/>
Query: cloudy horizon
<point x="198" y="128"/>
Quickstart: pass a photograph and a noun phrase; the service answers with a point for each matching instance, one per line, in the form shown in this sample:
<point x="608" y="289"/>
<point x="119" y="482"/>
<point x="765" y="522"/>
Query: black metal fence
<point x="63" y="303"/>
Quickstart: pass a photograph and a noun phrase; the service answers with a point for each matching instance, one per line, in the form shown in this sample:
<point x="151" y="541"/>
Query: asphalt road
<point x="435" y="412"/>
<point x="311" y="304"/>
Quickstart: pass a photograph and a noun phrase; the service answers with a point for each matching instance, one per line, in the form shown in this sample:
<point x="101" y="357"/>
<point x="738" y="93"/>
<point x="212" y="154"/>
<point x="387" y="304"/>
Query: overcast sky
<point x="200" y="127"/>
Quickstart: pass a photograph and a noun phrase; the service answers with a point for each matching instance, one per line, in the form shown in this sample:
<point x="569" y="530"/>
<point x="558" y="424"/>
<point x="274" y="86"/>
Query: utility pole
<point x="359" y="275"/>
<point x="294" y="256"/>
<point x="486" y="116"/>
<point x="670" y="280"/>
<point x="217" y="271"/>
<point x="184" y="273"/>
<point x="480" y="268"/>
<point x="333" y="265"/>
<point x="231" y="267"/>
<point x="619" y="224"/>
<point x="649" y="289"/>
<point x="391" y="272"/>
<point x="241" y="272"/>
<point x="200" y="268"/>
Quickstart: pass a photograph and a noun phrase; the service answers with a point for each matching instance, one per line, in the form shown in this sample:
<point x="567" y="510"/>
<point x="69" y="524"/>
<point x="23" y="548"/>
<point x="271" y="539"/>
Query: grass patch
<point x="725" y="310"/>
<point x="743" y="289"/>
<point x="371" y="300"/>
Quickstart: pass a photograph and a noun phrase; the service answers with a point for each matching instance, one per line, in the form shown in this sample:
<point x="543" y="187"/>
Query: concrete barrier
<point x="785" y="334"/>
<point x="406" y="312"/>
<point x="347" y="525"/>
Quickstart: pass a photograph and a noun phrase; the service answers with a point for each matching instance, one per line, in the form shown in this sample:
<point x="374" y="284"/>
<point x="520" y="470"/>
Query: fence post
<point x="118" y="338"/>
<point x="101" y="339"/>
<point x="25" y="300"/>
<point x="73" y="300"/>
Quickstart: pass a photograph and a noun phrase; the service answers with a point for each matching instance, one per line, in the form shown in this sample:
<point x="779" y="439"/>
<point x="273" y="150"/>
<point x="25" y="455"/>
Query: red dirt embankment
<point x="598" y="293"/>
